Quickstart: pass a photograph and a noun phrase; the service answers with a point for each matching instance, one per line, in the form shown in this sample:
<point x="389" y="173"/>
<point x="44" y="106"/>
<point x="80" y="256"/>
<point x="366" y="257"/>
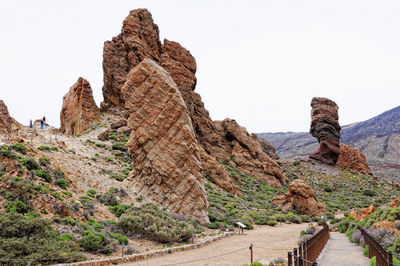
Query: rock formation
<point x="365" y="212"/>
<point x="120" y="55"/>
<point x="79" y="109"/>
<point x="7" y="123"/>
<point x="139" y="39"/>
<point x="267" y="148"/>
<point x="325" y="127"/>
<point x="163" y="146"/>
<point x="301" y="198"/>
<point x="352" y="158"/>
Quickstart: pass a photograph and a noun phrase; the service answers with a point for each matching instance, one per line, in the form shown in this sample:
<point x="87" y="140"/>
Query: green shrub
<point x="303" y="232"/>
<point x="118" y="210"/>
<point x="305" y="218"/>
<point x="214" y="225"/>
<point x="58" y="174"/>
<point x="62" y="183"/>
<point x="43" y="161"/>
<point x="31" y="238"/>
<point x="372" y="262"/>
<point x="19" y="147"/>
<point x="366" y="251"/>
<point x="29" y="163"/>
<point x="91" y="193"/>
<point x="16" y="206"/>
<point x="67" y="237"/>
<point x="121" y="238"/>
<point x="67" y="193"/>
<point x="153" y="223"/>
<point x="44" y="174"/>
<point x="256" y="263"/>
<point x="119" y="146"/>
<point x="272" y="222"/>
<point x="47" y="148"/>
<point x="4" y="151"/>
<point x="93" y="241"/>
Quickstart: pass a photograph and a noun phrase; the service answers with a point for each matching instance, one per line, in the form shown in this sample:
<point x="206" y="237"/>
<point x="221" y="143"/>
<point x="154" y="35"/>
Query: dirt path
<point x="234" y="250"/>
<point x="340" y="251"/>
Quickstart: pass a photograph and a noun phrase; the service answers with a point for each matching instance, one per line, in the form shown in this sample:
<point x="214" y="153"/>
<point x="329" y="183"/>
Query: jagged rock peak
<point x="79" y="109"/>
<point x="139" y="39"/>
<point x="163" y="145"/>
<point x="7" y="123"/>
<point x="325" y="127"/>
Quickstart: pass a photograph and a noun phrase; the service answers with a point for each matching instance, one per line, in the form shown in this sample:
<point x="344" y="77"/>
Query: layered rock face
<point x="365" y="212"/>
<point x="139" y="39"/>
<point x="7" y="123"/>
<point x="79" y="109"/>
<point x="247" y="152"/>
<point x="268" y="148"/>
<point x="352" y="158"/>
<point x="325" y="127"/>
<point x="120" y="55"/>
<point x="301" y="198"/>
<point x="163" y="144"/>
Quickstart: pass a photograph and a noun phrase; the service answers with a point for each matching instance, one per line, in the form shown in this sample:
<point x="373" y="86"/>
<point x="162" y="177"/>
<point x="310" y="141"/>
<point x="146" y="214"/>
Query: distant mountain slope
<point x="378" y="138"/>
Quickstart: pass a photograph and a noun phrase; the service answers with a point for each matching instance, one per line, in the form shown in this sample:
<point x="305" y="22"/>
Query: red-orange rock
<point x="163" y="145"/>
<point x="301" y="198"/>
<point x="365" y="212"/>
<point x="79" y="109"/>
<point x="388" y="225"/>
<point x="7" y="123"/>
<point x="352" y="158"/>
<point x="325" y="127"/>
<point x="139" y="39"/>
<point x="394" y="203"/>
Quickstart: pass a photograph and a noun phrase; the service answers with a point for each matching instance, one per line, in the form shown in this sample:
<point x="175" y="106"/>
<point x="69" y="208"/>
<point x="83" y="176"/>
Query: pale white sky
<point x="259" y="62"/>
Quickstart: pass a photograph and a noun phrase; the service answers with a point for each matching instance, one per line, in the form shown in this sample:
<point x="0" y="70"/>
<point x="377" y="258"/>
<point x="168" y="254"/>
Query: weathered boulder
<point x="163" y="145"/>
<point x="352" y="158"/>
<point x="300" y="198"/>
<point x="268" y="148"/>
<point x="394" y="203"/>
<point x="365" y="212"/>
<point x="139" y="39"/>
<point x="79" y="109"/>
<point x="325" y="127"/>
<point x="7" y="123"/>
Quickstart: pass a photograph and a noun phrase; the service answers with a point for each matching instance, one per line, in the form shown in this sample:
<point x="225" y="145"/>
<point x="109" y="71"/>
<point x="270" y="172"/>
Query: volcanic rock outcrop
<point x="162" y="144"/>
<point x="7" y="123"/>
<point x="267" y="148"/>
<point x="364" y="213"/>
<point x="139" y="39"/>
<point x="137" y="42"/>
<point x="301" y="198"/>
<point x="325" y="127"/>
<point x="79" y="109"/>
<point x="352" y="158"/>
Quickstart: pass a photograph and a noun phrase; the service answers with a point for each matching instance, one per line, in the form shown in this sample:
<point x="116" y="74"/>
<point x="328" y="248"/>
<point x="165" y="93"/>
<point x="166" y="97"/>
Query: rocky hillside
<point x="377" y="138"/>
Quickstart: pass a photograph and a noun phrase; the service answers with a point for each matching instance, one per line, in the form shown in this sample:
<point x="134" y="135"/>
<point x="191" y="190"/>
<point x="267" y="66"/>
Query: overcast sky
<point x="259" y="62"/>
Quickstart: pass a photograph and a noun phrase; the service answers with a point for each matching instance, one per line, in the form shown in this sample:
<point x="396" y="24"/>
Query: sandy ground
<point x="339" y="251"/>
<point x="269" y="243"/>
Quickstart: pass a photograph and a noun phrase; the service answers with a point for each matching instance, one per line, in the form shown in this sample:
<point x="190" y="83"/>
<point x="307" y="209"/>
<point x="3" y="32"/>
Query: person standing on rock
<point x="41" y="123"/>
<point x="30" y="123"/>
<point x="44" y="119"/>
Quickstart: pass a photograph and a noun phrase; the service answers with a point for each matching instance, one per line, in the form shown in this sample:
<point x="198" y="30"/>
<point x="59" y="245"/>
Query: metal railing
<point x="383" y="257"/>
<point x="307" y="253"/>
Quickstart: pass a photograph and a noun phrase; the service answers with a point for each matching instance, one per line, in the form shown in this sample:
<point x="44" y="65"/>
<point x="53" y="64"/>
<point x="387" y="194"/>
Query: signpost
<point x="241" y="227"/>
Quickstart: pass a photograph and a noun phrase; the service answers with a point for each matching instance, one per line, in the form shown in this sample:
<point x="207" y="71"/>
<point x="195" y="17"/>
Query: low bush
<point x="153" y="223"/>
<point x="121" y="238"/>
<point x="44" y="174"/>
<point x="5" y="151"/>
<point x="44" y="161"/>
<point x="16" y="206"/>
<point x="118" y="210"/>
<point x="47" y="148"/>
<point x="366" y="251"/>
<point x="91" y="193"/>
<point x="31" y="238"/>
<point x="214" y="225"/>
<point x="29" y="163"/>
<point x="119" y="146"/>
<point x="94" y="241"/>
<point x="19" y="147"/>
<point x="62" y="183"/>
